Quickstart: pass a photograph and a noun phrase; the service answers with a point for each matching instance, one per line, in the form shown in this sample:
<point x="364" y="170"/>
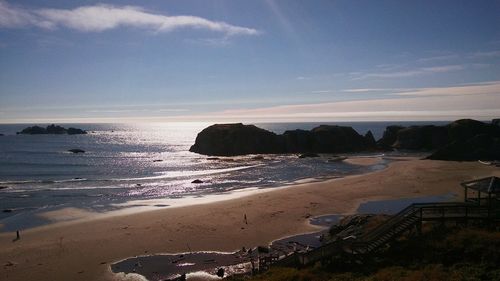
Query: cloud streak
<point x="479" y="100"/>
<point x="485" y="88"/>
<point x="489" y="54"/>
<point x="412" y="72"/>
<point x="102" y="17"/>
<point x="482" y="88"/>
<point x="369" y="90"/>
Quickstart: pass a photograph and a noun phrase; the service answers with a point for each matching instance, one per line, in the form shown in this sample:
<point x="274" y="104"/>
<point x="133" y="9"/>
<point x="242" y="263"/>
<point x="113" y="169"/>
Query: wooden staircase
<point x="408" y="218"/>
<point x="402" y="221"/>
<point x="412" y="216"/>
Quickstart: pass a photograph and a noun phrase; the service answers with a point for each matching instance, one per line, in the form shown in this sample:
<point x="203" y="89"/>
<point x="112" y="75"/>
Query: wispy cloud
<point x="322" y="92"/>
<point x="485" y="88"/>
<point x="437" y="58"/>
<point x="487" y="54"/>
<point x="440" y="103"/>
<point x="136" y="110"/>
<point x="368" y="90"/>
<point x="211" y="42"/>
<point x="13" y="16"/>
<point x="302" y="78"/>
<point x="102" y="17"/>
<point x="478" y="100"/>
<point x="445" y="68"/>
<point x="411" y="72"/>
<point x="481" y="88"/>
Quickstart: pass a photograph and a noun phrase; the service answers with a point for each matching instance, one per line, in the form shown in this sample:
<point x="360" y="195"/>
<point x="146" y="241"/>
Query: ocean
<point x="133" y="162"/>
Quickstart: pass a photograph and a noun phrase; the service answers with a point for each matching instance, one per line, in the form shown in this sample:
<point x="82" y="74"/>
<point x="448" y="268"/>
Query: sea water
<point x="127" y="162"/>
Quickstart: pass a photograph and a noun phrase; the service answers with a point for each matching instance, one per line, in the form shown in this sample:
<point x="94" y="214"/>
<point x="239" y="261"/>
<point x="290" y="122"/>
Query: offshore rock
<point x="370" y="139"/>
<point x="470" y="140"/>
<point x="75" y="131"/>
<point x="239" y="139"/>
<point x="51" y="129"/>
<point x="480" y="147"/>
<point x="464" y="129"/>
<point x="496" y="122"/>
<point x="389" y="138"/>
<point x="427" y="137"/>
<point x="35" y="130"/>
<point x="236" y="139"/>
<point x="462" y="140"/>
<point x="308" y="155"/>
<point x="333" y="139"/>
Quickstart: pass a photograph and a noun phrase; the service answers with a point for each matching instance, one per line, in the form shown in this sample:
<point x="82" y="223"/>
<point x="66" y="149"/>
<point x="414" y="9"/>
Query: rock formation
<point x="35" y="130"/>
<point x="56" y="130"/>
<point x="496" y="122"/>
<point x="75" y="131"/>
<point x="463" y="140"/>
<point x="370" y="139"/>
<point x="239" y="139"/>
<point x="389" y="138"/>
<point x="455" y="136"/>
<point x="426" y="137"/>
<point x="236" y="139"/>
<point x="479" y="147"/>
<point x="470" y="140"/>
<point x="333" y="139"/>
<point x="308" y="155"/>
<point x="51" y="129"/>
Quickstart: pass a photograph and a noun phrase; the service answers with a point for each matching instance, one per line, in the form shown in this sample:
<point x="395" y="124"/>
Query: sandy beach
<point x="83" y="250"/>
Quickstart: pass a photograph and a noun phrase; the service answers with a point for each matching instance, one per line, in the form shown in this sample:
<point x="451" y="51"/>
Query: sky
<point x="248" y="61"/>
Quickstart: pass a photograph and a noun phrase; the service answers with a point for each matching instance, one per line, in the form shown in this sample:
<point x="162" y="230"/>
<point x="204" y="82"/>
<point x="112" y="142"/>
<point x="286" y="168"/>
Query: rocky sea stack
<point x="51" y="129"/>
<point x="236" y="139"/>
<point x="461" y="140"/>
<point x="239" y="139"/>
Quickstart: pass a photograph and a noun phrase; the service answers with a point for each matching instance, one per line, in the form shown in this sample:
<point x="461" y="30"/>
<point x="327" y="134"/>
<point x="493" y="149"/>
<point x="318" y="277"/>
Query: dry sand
<point x="83" y="250"/>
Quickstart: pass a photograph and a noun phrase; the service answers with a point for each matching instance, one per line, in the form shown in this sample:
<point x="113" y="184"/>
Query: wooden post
<point x="419" y="227"/>
<point x="489" y="205"/>
<point x="465" y="193"/>
<point x="479" y="198"/>
<point x="466" y="215"/>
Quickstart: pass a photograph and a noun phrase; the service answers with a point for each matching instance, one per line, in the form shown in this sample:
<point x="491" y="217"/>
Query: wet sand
<point x="83" y="250"/>
<point x="364" y="161"/>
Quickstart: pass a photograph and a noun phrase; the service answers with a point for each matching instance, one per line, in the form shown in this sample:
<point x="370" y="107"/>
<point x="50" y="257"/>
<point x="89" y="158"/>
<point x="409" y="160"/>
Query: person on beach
<point x="18" y="236"/>
<point x="245" y="218"/>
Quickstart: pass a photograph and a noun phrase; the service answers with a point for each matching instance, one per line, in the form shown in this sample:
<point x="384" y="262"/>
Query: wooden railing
<point x="409" y="217"/>
<point x="414" y="215"/>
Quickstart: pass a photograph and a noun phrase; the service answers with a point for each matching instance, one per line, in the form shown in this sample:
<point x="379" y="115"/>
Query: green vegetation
<point x="440" y="253"/>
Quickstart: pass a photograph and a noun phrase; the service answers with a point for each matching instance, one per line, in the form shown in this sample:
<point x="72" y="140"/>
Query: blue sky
<point x="117" y="61"/>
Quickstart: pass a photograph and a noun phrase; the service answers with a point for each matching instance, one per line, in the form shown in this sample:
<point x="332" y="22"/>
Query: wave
<point x="177" y="174"/>
<point x="42" y="181"/>
<point x="164" y="175"/>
